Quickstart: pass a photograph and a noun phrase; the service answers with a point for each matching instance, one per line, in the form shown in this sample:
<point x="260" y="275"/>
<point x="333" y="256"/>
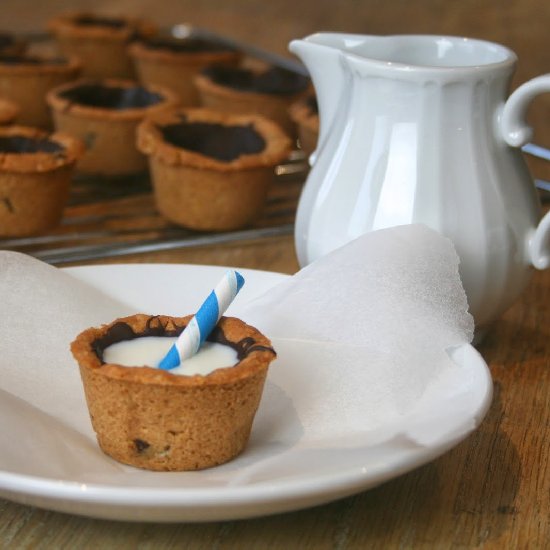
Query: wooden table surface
<point x="493" y="489"/>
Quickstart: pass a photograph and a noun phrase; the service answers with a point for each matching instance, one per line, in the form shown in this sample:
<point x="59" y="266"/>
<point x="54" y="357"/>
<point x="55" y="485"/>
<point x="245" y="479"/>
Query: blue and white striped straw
<point x="204" y="321"/>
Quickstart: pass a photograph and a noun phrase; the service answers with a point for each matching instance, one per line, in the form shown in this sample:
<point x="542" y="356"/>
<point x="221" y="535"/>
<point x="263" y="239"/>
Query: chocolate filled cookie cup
<point x="105" y="115"/>
<point x="100" y="42"/>
<point x="26" y="79"/>
<point x="268" y="92"/>
<point x="35" y="175"/>
<point x="211" y="170"/>
<point x="153" y="419"/>
<point x="175" y="62"/>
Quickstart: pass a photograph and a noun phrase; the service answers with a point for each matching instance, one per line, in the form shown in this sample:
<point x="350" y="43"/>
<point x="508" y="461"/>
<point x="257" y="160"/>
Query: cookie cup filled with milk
<point x="160" y="420"/>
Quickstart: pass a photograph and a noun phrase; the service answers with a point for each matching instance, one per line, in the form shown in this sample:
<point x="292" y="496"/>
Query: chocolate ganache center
<point x="111" y="97"/>
<point x="94" y="21"/>
<point x="186" y="45"/>
<point x="272" y="81"/>
<point x="121" y="331"/>
<point x="224" y="143"/>
<point x="23" y="144"/>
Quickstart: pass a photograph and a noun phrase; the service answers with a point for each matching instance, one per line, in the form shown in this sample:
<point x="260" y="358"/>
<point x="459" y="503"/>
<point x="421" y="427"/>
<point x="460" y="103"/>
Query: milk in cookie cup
<point x="155" y="419"/>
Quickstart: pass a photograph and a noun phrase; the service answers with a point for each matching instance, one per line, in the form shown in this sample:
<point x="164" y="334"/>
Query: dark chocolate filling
<point x="186" y="45"/>
<point x="224" y="143"/>
<point x="122" y="331"/>
<point x="23" y="144"/>
<point x="30" y="60"/>
<point x="272" y="81"/>
<point x="95" y="21"/>
<point x="111" y="97"/>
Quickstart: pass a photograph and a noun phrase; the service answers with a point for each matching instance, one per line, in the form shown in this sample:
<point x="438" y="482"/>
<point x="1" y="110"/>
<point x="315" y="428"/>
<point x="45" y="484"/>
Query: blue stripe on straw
<point x="240" y="281"/>
<point x="207" y="316"/>
<point x="171" y="359"/>
<point x="204" y="321"/>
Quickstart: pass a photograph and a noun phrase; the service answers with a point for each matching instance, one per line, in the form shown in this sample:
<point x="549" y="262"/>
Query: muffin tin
<point x="114" y="217"/>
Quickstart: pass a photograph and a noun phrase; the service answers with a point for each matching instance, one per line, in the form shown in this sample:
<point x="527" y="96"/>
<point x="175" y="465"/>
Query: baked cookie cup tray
<point x="108" y="217"/>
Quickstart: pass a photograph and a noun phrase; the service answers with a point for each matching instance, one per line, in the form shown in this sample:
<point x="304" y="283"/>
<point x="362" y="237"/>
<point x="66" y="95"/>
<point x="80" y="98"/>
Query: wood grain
<point x="492" y="490"/>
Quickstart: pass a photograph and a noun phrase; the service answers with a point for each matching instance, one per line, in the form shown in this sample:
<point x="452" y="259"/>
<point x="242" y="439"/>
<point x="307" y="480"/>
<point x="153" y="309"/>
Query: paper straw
<point x="204" y="321"/>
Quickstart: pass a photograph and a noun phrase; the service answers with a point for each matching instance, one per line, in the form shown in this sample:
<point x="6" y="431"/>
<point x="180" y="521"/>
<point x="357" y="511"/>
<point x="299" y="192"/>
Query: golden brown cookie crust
<point x="150" y="140"/>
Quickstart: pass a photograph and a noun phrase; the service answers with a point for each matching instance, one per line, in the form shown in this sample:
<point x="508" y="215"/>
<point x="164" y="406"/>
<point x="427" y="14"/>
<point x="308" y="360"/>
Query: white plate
<point x="278" y="472"/>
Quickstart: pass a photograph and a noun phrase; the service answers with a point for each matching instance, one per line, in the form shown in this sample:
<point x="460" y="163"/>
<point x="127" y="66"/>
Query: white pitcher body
<point x="412" y="133"/>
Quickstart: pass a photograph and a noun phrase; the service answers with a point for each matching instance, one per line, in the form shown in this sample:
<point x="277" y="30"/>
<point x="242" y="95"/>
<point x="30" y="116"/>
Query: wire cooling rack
<point x="117" y="217"/>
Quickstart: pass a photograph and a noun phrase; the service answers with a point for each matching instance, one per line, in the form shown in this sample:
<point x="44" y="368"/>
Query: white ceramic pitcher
<point x="418" y="129"/>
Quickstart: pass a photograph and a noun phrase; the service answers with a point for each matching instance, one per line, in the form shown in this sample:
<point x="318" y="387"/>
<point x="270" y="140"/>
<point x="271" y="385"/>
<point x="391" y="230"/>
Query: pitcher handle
<point x="516" y="132"/>
<point x="539" y="244"/>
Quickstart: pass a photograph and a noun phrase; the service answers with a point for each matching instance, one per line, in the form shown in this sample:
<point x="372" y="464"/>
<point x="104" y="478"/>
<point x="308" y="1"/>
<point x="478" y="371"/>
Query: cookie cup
<point x="108" y="131"/>
<point x="100" y="42"/>
<point x="175" y="63"/>
<point x="27" y="79"/>
<point x="198" y="191"/>
<point x="35" y="176"/>
<point x="152" y="419"/>
<point x="217" y="93"/>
